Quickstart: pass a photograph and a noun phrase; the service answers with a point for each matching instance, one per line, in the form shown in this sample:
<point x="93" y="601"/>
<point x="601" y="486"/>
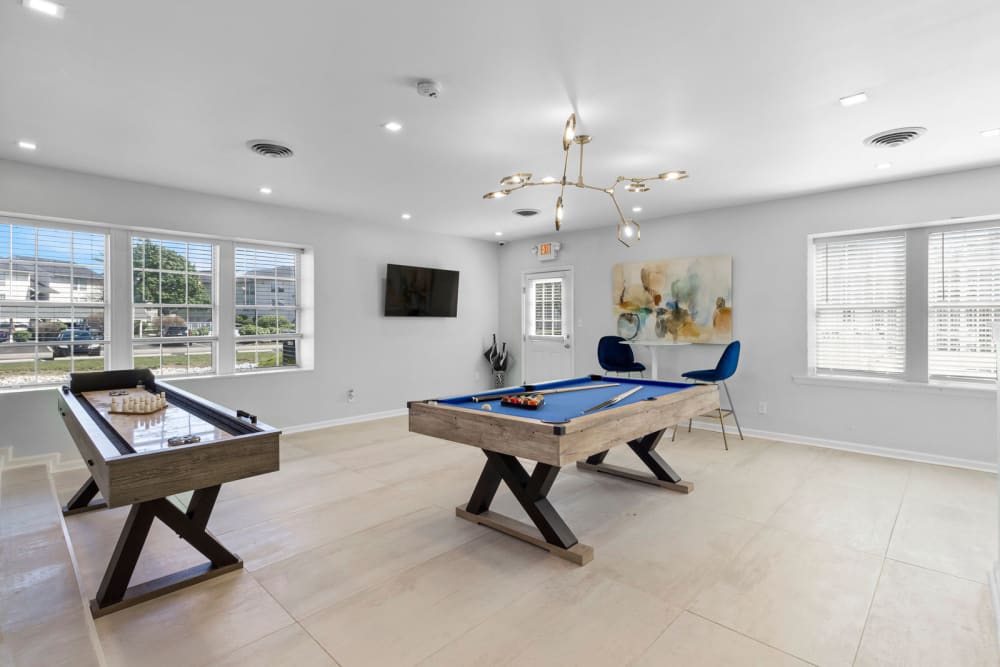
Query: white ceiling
<point x="744" y="95"/>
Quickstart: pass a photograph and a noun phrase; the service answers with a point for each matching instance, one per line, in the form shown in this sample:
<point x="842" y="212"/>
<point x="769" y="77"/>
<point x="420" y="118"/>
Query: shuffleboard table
<point x="137" y="460"/>
<point x="562" y="431"/>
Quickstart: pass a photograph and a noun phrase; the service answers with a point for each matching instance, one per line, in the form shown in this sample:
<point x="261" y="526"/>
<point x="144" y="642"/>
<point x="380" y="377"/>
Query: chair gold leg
<point x="723" y="425"/>
<point x="689" y="425"/>
<point x="732" y="410"/>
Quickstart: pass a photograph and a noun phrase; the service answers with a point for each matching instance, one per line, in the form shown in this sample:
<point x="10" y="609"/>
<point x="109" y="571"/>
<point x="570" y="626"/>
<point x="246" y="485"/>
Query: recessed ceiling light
<point x="27" y="145"/>
<point x="851" y="100"/>
<point x="637" y="209"/>
<point x="498" y="233"/>
<point x="883" y="165"/>
<point x="393" y="126"/>
<point x="264" y="190"/>
<point x="995" y="132"/>
<point x="46" y="7"/>
<point x="406" y="216"/>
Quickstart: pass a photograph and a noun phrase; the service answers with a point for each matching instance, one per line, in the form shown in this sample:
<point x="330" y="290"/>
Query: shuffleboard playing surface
<point x="145" y="433"/>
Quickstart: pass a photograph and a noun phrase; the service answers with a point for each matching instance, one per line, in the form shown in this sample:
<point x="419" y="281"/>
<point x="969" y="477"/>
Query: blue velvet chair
<point x="617" y="358"/>
<point x="718" y="375"/>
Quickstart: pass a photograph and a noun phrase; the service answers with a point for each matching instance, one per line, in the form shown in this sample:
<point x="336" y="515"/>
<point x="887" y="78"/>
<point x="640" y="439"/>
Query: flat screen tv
<point x="414" y="291"/>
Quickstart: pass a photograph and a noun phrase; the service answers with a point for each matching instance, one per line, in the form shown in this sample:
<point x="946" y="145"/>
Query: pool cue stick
<point x="496" y="397"/>
<point x="612" y="401"/>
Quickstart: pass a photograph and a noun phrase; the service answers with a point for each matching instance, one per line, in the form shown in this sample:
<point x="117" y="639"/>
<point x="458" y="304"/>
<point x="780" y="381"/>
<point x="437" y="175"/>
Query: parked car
<point x="175" y="331"/>
<point x="81" y="348"/>
<point x="4" y="335"/>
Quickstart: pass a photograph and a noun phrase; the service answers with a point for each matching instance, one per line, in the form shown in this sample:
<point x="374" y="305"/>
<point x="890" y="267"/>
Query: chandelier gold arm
<point x="523" y="180"/>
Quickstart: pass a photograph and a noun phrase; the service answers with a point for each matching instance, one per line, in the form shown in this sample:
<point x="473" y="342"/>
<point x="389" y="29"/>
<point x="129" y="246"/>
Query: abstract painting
<point x="684" y="300"/>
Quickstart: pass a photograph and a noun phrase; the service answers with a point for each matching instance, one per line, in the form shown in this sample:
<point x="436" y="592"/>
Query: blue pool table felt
<point x="561" y="408"/>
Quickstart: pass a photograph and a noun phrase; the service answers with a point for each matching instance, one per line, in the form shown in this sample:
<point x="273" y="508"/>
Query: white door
<point x="547" y="325"/>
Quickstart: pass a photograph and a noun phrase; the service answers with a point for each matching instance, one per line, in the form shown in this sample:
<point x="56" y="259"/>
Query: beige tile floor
<point x="782" y="555"/>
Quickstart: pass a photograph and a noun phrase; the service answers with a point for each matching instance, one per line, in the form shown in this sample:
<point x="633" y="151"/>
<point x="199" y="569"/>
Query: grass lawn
<point x="171" y="361"/>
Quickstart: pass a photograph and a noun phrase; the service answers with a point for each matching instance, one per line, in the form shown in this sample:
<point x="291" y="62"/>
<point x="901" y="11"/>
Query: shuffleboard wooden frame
<point x="146" y="479"/>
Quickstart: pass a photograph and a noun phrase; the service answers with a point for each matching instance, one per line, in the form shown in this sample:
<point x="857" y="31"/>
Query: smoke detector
<point x="894" y="138"/>
<point x="269" y="148"/>
<point x="428" y="88"/>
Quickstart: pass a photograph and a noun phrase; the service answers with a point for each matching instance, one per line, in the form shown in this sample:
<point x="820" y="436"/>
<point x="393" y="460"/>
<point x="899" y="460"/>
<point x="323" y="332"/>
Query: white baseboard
<point x="994" y="578"/>
<point x="355" y="419"/>
<point x="857" y="448"/>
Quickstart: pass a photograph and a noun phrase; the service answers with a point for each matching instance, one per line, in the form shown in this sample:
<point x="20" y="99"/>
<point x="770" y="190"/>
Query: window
<point x="52" y="308"/>
<point x="267" y="308"/>
<point x="916" y="304"/>
<point x="546" y="307"/>
<point x="173" y="306"/>
<point x="59" y="313"/>
<point x="964" y="302"/>
<point x="860" y="305"/>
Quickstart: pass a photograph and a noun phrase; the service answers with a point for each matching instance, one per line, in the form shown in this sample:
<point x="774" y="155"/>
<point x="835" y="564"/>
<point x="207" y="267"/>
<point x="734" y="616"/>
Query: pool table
<point x="563" y="430"/>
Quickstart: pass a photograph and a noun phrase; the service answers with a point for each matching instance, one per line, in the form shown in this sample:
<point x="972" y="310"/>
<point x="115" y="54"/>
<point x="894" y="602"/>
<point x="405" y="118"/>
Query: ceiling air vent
<point x="894" y="138"/>
<point x="526" y="212"/>
<point x="269" y="148"/>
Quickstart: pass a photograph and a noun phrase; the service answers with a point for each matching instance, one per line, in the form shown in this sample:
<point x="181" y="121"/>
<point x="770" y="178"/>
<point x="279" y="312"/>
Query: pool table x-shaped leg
<point x="532" y="490"/>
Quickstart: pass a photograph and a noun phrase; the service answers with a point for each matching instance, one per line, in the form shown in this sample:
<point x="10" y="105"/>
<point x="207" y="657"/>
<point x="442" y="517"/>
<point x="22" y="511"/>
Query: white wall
<point x="769" y="248"/>
<point x="386" y="360"/>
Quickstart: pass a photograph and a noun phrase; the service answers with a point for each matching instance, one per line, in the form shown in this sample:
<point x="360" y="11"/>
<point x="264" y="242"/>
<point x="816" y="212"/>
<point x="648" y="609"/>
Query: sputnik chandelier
<point x="628" y="228"/>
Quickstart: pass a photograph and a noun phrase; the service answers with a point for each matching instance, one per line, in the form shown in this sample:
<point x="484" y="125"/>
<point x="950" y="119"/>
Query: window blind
<point x="267" y="308"/>
<point x="52" y="291"/>
<point x="547" y="309"/>
<point x="860" y="301"/>
<point x="963" y="302"/>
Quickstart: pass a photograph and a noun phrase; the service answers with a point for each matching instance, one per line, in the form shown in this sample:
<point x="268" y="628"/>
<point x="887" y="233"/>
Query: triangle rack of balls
<point x="139" y="404"/>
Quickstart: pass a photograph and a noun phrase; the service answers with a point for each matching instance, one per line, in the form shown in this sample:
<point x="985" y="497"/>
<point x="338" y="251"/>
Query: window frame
<point x="546" y="278"/>
<point x="39" y="223"/>
<point x="297" y="336"/>
<point x="917" y="323"/>
<point x="118" y="336"/>
<point x="814" y="307"/>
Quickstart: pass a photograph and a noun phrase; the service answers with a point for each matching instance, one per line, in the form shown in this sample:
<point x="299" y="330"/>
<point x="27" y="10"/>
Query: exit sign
<point x="547" y="251"/>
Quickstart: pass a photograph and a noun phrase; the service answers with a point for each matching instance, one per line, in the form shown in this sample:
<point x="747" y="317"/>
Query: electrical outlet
<point x="351" y="395"/>
<point x="762" y="408"/>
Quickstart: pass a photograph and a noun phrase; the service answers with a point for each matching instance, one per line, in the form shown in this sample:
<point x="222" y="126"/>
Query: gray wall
<point x="386" y="360"/>
<point x="768" y="243"/>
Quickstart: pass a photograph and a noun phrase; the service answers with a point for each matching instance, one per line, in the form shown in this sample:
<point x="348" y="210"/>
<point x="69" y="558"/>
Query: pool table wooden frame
<point x="584" y="440"/>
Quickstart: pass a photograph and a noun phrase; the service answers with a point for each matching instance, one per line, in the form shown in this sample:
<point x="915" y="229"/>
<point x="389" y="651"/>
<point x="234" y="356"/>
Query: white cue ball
<point x="487" y="406"/>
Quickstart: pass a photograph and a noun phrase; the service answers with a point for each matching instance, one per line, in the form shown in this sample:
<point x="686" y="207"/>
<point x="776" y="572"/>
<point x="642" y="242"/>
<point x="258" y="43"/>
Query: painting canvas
<point x="684" y="300"/>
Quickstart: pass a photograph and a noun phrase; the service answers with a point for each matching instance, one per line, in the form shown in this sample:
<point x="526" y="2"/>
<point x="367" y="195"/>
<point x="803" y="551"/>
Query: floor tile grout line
<point x="753" y="639"/>
<point x="291" y="616"/>
<point x="885" y="558"/>
<point x="868" y="612"/>
<point x="939" y="572"/>
<point x="657" y="638"/>
<point x="487" y="535"/>
<point x="298" y="510"/>
<point x="489" y="617"/>
<point x="899" y="510"/>
<point x="355" y="533"/>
